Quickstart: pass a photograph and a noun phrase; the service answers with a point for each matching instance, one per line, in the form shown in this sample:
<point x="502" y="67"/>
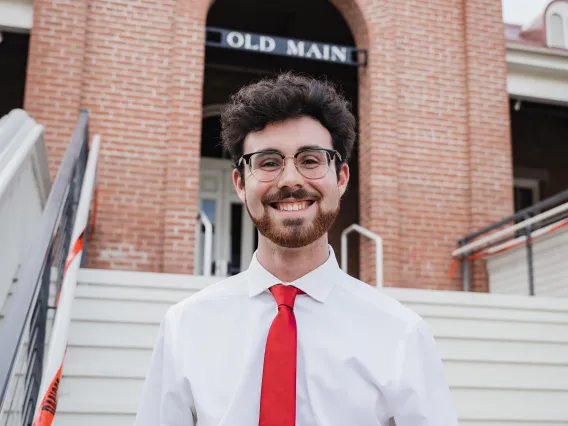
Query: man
<point x="293" y="340"/>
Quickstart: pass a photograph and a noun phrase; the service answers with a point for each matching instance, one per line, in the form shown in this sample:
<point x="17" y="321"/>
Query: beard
<point x="294" y="233"/>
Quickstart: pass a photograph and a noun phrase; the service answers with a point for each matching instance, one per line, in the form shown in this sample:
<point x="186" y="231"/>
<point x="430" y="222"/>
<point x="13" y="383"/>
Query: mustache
<point x="283" y="194"/>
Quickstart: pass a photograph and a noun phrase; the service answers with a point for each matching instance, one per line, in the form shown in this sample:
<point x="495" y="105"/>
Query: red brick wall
<point x="184" y="136"/>
<point x="434" y="151"/>
<point x="490" y="153"/>
<point x="433" y="144"/>
<point x="55" y="71"/>
<point x="435" y="147"/>
<point x="126" y="89"/>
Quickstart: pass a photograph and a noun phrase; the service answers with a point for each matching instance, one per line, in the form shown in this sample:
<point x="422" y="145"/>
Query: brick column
<point x="55" y="71"/>
<point x="433" y="143"/>
<point x="184" y="136"/>
<point x="126" y="88"/>
<point x="373" y="27"/>
<point x="491" y="175"/>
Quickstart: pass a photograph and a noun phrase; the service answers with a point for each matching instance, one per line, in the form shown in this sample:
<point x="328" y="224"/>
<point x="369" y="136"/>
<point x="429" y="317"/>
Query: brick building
<point x="461" y="117"/>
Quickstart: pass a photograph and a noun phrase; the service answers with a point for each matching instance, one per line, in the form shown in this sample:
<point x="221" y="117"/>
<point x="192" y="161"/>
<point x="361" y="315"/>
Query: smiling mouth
<point x="292" y="206"/>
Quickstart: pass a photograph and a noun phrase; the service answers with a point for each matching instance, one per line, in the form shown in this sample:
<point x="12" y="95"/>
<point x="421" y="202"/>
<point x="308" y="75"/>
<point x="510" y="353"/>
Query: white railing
<point x="24" y="188"/>
<point x="501" y="245"/>
<point x="378" y="250"/>
<point x="509" y="231"/>
<point x="59" y="334"/>
<point x="208" y="244"/>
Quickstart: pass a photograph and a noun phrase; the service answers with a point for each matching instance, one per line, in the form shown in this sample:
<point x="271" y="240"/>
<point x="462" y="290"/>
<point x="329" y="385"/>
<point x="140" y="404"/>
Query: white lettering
<point x="267" y="44"/>
<point x="248" y="43"/>
<point x="338" y="52"/>
<point x="325" y="51"/>
<point x="295" y="50"/>
<point x="314" y="51"/>
<point x="235" y="39"/>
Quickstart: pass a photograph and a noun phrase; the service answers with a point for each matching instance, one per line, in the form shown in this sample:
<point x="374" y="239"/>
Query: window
<point x="556" y="31"/>
<point x="526" y="193"/>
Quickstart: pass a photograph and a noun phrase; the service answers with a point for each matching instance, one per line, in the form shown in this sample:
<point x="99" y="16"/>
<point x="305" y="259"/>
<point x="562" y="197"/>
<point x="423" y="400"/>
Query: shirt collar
<point x="316" y="284"/>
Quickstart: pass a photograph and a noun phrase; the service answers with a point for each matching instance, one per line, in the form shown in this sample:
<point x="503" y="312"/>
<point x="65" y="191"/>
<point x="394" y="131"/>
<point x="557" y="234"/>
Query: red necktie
<point x="278" y="393"/>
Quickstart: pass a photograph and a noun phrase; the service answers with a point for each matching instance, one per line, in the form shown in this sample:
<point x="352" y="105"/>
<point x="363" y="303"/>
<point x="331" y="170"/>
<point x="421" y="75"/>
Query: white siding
<point x="506" y="357"/>
<point x="508" y="271"/>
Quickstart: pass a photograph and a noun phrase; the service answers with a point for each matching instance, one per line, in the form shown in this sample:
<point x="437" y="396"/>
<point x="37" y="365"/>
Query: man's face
<point x="292" y="210"/>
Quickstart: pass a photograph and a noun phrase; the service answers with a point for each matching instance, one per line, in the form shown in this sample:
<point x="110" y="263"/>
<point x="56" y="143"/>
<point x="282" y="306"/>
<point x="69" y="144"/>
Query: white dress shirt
<point x="363" y="358"/>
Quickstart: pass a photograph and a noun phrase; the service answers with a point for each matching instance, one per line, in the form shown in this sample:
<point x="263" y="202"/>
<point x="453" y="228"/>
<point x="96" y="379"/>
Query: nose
<point x="290" y="176"/>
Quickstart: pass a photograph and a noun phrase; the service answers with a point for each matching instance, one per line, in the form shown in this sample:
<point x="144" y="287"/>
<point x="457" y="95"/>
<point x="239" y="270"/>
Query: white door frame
<point x="216" y="184"/>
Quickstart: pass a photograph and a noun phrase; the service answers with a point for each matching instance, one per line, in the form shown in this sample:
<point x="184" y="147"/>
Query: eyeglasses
<point x="312" y="163"/>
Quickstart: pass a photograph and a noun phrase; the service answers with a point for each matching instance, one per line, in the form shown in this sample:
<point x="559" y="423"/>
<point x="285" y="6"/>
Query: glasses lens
<point x="266" y="166"/>
<point x="313" y="164"/>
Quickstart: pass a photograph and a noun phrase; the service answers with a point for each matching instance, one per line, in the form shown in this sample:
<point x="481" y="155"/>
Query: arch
<point x="375" y="202"/>
<point x="355" y="19"/>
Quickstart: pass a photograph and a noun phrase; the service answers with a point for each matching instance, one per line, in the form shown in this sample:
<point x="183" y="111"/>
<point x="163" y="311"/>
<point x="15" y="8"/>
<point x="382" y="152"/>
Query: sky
<point x="522" y="11"/>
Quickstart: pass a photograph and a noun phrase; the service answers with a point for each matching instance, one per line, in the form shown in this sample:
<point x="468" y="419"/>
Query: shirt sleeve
<point x="423" y="397"/>
<point x="166" y="396"/>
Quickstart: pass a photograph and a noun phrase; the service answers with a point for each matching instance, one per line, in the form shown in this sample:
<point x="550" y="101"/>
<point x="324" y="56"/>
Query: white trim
<point x="518" y="47"/>
<point x="16" y="15"/>
<point x="144" y="279"/>
<point x="537" y="74"/>
<point x="472" y="299"/>
<point x="220" y="170"/>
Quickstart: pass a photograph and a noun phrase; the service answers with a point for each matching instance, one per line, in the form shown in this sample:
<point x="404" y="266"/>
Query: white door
<point x="233" y="231"/>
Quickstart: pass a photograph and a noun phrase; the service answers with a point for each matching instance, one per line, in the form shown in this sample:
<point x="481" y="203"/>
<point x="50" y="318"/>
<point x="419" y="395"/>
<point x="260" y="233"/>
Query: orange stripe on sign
<point x="49" y="402"/>
<point x="77" y="247"/>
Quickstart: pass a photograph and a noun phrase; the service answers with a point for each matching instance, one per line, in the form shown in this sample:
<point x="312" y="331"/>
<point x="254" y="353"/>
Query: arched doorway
<point x="226" y="70"/>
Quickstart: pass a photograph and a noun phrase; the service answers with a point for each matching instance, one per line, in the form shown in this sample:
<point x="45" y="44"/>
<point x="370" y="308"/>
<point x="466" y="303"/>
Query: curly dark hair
<point x="287" y="96"/>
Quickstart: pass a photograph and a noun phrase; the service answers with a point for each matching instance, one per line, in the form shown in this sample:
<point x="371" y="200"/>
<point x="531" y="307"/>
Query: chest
<point x="341" y="373"/>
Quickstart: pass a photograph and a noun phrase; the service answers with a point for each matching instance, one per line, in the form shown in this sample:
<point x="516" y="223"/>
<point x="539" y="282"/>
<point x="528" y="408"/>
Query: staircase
<point x="114" y="322"/>
<point x="505" y="356"/>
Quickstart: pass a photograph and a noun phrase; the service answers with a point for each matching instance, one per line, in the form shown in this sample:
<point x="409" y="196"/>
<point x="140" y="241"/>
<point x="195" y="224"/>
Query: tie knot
<point x="285" y="294"/>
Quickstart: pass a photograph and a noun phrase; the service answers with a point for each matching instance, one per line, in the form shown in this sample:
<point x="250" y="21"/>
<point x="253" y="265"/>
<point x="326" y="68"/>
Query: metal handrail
<point x="28" y="307"/>
<point x="378" y="250"/>
<point x="208" y="246"/>
<point x="470" y="246"/>
<point x="559" y="198"/>
<point x="62" y="320"/>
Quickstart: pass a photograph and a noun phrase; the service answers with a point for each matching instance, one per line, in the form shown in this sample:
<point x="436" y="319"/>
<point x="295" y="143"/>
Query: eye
<point x="310" y="160"/>
<point x="268" y="162"/>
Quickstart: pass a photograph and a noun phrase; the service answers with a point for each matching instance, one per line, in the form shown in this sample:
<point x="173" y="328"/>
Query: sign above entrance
<point x="282" y="46"/>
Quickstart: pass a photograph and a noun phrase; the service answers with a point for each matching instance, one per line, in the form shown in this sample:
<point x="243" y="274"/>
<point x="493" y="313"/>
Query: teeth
<point x="292" y="206"/>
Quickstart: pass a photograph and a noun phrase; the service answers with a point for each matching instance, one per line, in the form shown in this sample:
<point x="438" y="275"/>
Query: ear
<point x="343" y="179"/>
<point x="239" y="185"/>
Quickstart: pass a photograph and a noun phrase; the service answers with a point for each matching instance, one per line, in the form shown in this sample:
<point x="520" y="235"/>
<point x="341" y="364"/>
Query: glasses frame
<point x="332" y="154"/>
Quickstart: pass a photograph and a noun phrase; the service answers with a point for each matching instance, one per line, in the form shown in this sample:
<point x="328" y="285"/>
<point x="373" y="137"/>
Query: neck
<point x="289" y="264"/>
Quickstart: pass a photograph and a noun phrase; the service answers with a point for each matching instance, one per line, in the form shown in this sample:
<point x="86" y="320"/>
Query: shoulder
<point x="376" y="302"/>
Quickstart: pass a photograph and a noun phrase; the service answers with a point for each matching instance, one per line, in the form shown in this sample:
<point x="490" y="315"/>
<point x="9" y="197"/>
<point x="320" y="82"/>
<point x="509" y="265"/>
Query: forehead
<point x="288" y="136"/>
